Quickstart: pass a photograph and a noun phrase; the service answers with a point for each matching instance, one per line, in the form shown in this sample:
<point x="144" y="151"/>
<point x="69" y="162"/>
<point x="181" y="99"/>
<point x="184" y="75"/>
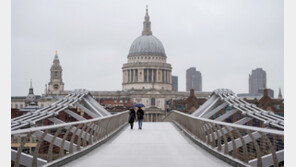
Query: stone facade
<point x="18" y="102"/>
<point x="56" y="84"/>
<point x="147" y="66"/>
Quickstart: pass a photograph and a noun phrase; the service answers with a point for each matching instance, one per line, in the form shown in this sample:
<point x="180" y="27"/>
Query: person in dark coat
<point x="132" y="116"/>
<point x="140" y="116"/>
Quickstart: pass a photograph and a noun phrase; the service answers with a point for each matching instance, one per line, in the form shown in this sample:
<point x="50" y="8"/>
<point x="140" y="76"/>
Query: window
<point x="180" y="107"/>
<point x="16" y="106"/>
<point x="256" y="122"/>
<point x="42" y="105"/>
<point x="125" y="101"/>
<point x="21" y="105"/>
<point x="55" y="73"/>
<point x="120" y="101"/>
<point x="238" y="116"/>
<point x="152" y="101"/>
<point x="277" y="106"/>
<point x="56" y="86"/>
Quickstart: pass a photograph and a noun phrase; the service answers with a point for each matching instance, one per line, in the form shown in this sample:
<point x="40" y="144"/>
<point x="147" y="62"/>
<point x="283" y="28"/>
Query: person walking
<point x="132" y="116"/>
<point x="140" y="116"/>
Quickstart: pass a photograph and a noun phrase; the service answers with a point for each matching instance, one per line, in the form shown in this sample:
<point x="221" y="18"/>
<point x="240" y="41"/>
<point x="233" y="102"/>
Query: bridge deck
<point x="157" y="144"/>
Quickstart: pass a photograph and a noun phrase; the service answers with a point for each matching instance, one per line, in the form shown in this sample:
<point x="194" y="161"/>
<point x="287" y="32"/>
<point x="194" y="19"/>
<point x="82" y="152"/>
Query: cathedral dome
<point x="147" y="45"/>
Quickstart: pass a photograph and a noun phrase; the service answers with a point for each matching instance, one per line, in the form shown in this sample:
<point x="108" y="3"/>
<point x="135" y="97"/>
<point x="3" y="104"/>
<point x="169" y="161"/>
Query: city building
<point x="268" y="103"/>
<point x="257" y="81"/>
<point x="193" y="79"/>
<point x="175" y="83"/>
<point x="188" y="104"/>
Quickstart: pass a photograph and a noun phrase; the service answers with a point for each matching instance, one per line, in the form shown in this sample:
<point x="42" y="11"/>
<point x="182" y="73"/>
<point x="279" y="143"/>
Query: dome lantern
<point x="147" y="24"/>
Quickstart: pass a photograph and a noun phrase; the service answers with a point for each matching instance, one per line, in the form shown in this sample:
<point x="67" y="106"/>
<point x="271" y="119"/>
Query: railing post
<point x="50" y="149"/>
<point x="61" y="154"/>
<point x="258" y="152"/>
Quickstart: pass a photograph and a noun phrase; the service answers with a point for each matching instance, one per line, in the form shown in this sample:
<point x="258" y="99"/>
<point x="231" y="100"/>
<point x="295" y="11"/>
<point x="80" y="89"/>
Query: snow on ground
<point x="157" y="144"/>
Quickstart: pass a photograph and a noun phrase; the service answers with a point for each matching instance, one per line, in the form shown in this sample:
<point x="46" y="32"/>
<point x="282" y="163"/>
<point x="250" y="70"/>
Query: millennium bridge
<point x="99" y="138"/>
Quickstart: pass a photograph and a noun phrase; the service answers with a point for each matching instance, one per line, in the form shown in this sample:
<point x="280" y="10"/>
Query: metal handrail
<point x="250" y="146"/>
<point x="18" y="131"/>
<point x="53" y="142"/>
<point x="264" y="130"/>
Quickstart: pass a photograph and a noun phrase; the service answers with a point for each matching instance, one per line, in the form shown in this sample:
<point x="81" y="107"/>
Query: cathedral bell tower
<point x="55" y="85"/>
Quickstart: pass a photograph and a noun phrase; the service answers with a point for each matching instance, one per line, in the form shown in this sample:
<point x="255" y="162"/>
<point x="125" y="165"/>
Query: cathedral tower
<point x="55" y="85"/>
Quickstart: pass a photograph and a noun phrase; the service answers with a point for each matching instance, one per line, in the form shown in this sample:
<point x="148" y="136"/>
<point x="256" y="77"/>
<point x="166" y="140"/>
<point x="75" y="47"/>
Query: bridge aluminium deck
<point x="157" y="144"/>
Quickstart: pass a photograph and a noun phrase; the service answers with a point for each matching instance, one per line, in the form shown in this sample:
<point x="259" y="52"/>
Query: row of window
<point x="149" y="57"/>
<point x="23" y="139"/>
<point x="22" y="106"/>
<point x="120" y="101"/>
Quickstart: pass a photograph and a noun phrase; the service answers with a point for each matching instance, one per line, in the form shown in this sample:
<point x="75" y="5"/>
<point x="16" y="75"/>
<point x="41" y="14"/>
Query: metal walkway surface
<point x="157" y="144"/>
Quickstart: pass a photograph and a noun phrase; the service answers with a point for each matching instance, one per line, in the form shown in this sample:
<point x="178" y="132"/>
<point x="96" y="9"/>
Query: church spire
<point x="280" y="94"/>
<point x="31" y="88"/>
<point x="147" y="24"/>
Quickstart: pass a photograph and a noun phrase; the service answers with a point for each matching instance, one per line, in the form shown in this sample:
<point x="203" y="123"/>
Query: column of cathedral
<point x="151" y="75"/>
<point x="169" y="76"/>
<point x="131" y="75"/>
<point x="165" y="76"/>
<point x="135" y="75"/>
<point x="128" y="76"/>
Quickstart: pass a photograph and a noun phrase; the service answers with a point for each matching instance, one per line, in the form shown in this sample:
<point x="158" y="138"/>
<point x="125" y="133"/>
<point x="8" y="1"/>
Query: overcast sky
<point x="223" y="39"/>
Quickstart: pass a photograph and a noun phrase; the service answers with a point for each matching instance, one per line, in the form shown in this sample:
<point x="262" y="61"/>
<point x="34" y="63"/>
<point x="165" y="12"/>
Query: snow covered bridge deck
<point x="157" y="144"/>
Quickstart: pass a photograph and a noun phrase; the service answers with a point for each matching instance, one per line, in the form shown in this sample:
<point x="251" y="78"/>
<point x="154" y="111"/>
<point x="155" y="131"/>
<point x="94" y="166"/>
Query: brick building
<point x="268" y="103"/>
<point x="187" y="105"/>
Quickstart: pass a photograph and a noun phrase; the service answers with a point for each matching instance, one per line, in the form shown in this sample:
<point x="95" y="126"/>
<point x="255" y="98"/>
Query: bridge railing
<point x="39" y="146"/>
<point x="246" y="145"/>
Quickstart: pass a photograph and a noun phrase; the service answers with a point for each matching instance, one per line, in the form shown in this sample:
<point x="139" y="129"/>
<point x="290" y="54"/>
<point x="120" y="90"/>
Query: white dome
<point x="147" y="45"/>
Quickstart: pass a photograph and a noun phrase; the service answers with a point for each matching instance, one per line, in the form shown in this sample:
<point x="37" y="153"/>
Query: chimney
<point x="265" y="92"/>
<point x="191" y="92"/>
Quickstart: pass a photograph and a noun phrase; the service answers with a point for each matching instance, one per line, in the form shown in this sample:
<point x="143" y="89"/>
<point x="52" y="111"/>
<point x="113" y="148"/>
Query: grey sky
<point x="224" y="39"/>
